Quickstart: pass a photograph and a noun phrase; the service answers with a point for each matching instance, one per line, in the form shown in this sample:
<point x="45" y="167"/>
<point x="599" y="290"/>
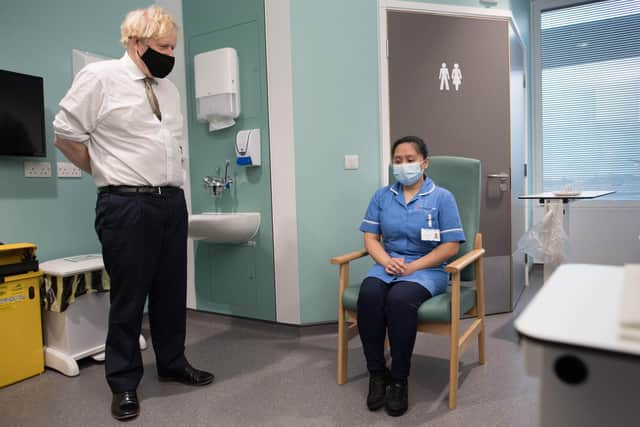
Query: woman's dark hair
<point x="421" y="146"/>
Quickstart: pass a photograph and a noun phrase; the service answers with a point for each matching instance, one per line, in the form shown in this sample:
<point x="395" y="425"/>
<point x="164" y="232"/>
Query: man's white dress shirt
<point x="107" y="109"/>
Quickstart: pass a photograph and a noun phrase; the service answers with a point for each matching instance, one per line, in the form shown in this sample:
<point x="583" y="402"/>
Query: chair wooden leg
<point x="455" y="341"/>
<point x="387" y="352"/>
<point x="453" y="383"/>
<point x="343" y="350"/>
<point x="480" y="301"/>
<point x="343" y="334"/>
<point x="481" y="345"/>
<point x="453" y="369"/>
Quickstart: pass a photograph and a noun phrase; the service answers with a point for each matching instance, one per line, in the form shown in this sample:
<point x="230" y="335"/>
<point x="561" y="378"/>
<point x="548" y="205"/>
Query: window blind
<point x="590" y="88"/>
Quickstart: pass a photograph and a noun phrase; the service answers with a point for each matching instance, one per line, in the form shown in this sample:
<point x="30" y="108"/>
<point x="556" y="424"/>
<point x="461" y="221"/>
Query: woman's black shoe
<point x="378" y="382"/>
<point x="398" y="398"/>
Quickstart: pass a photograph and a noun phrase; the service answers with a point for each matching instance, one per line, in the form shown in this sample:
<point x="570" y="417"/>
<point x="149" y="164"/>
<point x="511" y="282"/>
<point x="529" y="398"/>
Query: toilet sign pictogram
<point x="455" y="76"/>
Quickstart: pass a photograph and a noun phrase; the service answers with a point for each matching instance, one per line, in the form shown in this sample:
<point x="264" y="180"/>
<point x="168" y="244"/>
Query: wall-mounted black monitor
<point x="21" y="115"/>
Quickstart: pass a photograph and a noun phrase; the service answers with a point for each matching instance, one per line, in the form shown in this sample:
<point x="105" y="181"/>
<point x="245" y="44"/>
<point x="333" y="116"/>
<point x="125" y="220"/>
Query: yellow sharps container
<point x="21" y="350"/>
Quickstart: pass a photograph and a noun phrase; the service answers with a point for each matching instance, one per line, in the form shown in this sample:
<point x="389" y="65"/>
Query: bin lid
<point x="14" y="246"/>
<point x="13" y="253"/>
<point x="72" y="265"/>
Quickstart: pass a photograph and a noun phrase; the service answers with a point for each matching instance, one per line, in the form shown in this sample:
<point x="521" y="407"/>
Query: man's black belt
<point x="138" y="189"/>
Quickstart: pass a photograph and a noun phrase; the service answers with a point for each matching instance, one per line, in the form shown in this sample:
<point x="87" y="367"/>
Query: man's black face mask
<point x="159" y="64"/>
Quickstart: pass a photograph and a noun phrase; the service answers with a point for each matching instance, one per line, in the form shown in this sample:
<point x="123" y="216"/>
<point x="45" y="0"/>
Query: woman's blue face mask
<point x="407" y="173"/>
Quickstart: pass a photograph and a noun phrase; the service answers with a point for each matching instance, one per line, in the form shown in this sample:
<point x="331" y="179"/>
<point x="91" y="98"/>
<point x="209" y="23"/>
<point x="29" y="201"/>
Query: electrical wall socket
<point x="68" y="170"/>
<point x="37" y="169"/>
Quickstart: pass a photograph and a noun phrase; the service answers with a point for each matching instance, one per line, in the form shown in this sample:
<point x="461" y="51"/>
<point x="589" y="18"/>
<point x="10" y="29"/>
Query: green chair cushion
<point x="433" y="310"/>
<point x="438" y="308"/>
<point x="350" y="298"/>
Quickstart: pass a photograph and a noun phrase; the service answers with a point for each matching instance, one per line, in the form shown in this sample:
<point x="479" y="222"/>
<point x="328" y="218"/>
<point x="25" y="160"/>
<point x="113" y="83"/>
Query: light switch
<point x="351" y="161"/>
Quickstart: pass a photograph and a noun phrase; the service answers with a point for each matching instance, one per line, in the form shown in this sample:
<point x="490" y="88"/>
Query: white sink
<point x="224" y="227"/>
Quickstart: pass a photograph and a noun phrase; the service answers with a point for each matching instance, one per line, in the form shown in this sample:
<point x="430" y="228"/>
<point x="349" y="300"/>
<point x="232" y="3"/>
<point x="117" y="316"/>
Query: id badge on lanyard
<point x="430" y="234"/>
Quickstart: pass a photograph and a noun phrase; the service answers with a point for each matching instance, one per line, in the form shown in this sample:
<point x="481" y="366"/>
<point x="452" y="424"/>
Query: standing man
<point x="121" y="123"/>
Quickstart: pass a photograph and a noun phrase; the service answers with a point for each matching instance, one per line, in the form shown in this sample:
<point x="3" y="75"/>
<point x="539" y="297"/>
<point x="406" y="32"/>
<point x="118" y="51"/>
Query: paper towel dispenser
<point x="217" y="84"/>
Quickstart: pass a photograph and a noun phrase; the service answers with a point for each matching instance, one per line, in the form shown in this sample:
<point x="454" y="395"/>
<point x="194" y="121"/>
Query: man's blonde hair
<point x="152" y="22"/>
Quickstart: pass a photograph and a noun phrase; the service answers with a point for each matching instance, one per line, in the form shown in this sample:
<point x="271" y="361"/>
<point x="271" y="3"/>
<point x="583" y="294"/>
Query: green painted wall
<point x="237" y="280"/>
<point x="37" y="38"/>
<point x="336" y="112"/>
<point x="335" y="88"/>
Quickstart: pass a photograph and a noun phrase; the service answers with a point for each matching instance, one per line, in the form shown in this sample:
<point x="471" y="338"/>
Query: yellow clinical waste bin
<point x="21" y="349"/>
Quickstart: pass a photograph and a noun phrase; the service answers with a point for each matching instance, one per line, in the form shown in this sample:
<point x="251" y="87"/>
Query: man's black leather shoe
<point x="189" y="376"/>
<point x="125" y="405"/>
<point x="398" y="398"/>
<point x="378" y="382"/>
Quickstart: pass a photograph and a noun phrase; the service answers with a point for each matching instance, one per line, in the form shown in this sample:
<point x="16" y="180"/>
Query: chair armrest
<point x="466" y="259"/>
<point x="343" y="259"/>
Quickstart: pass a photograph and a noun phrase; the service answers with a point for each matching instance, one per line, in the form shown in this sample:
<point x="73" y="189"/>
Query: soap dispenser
<point x="248" y="147"/>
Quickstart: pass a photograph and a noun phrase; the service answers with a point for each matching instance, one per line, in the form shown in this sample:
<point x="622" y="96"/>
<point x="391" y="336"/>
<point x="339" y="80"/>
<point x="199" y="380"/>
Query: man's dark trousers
<point x="144" y="247"/>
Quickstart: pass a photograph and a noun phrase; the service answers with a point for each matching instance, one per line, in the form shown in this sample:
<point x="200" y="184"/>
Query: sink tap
<point x="217" y="184"/>
<point x="227" y="179"/>
<point x="214" y="184"/>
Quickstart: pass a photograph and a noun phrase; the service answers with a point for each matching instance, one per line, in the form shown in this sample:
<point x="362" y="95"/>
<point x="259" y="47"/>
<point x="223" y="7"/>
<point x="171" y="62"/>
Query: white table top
<point x="548" y="195"/>
<point x="72" y="265"/>
<point x="559" y="195"/>
<point x="579" y="305"/>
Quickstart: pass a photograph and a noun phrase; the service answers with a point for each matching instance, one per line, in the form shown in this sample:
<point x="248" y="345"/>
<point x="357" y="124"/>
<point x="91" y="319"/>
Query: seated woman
<point x="410" y="229"/>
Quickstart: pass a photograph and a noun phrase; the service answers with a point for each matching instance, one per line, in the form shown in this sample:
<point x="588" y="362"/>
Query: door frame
<point x="386" y="6"/>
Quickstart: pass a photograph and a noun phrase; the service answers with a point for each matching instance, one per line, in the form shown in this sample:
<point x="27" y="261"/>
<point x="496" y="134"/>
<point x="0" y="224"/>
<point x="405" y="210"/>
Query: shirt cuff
<point x="369" y="226"/>
<point x="452" y="235"/>
<point x="63" y="129"/>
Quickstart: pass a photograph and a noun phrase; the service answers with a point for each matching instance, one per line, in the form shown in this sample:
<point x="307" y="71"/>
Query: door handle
<point x="502" y="176"/>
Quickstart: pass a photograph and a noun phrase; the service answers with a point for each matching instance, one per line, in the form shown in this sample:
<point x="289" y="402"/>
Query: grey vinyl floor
<point x="274" y="375"/>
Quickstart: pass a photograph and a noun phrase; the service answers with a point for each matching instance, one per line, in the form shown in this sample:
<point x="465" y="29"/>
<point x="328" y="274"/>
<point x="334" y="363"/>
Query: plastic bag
<point x="547" y="240"/>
